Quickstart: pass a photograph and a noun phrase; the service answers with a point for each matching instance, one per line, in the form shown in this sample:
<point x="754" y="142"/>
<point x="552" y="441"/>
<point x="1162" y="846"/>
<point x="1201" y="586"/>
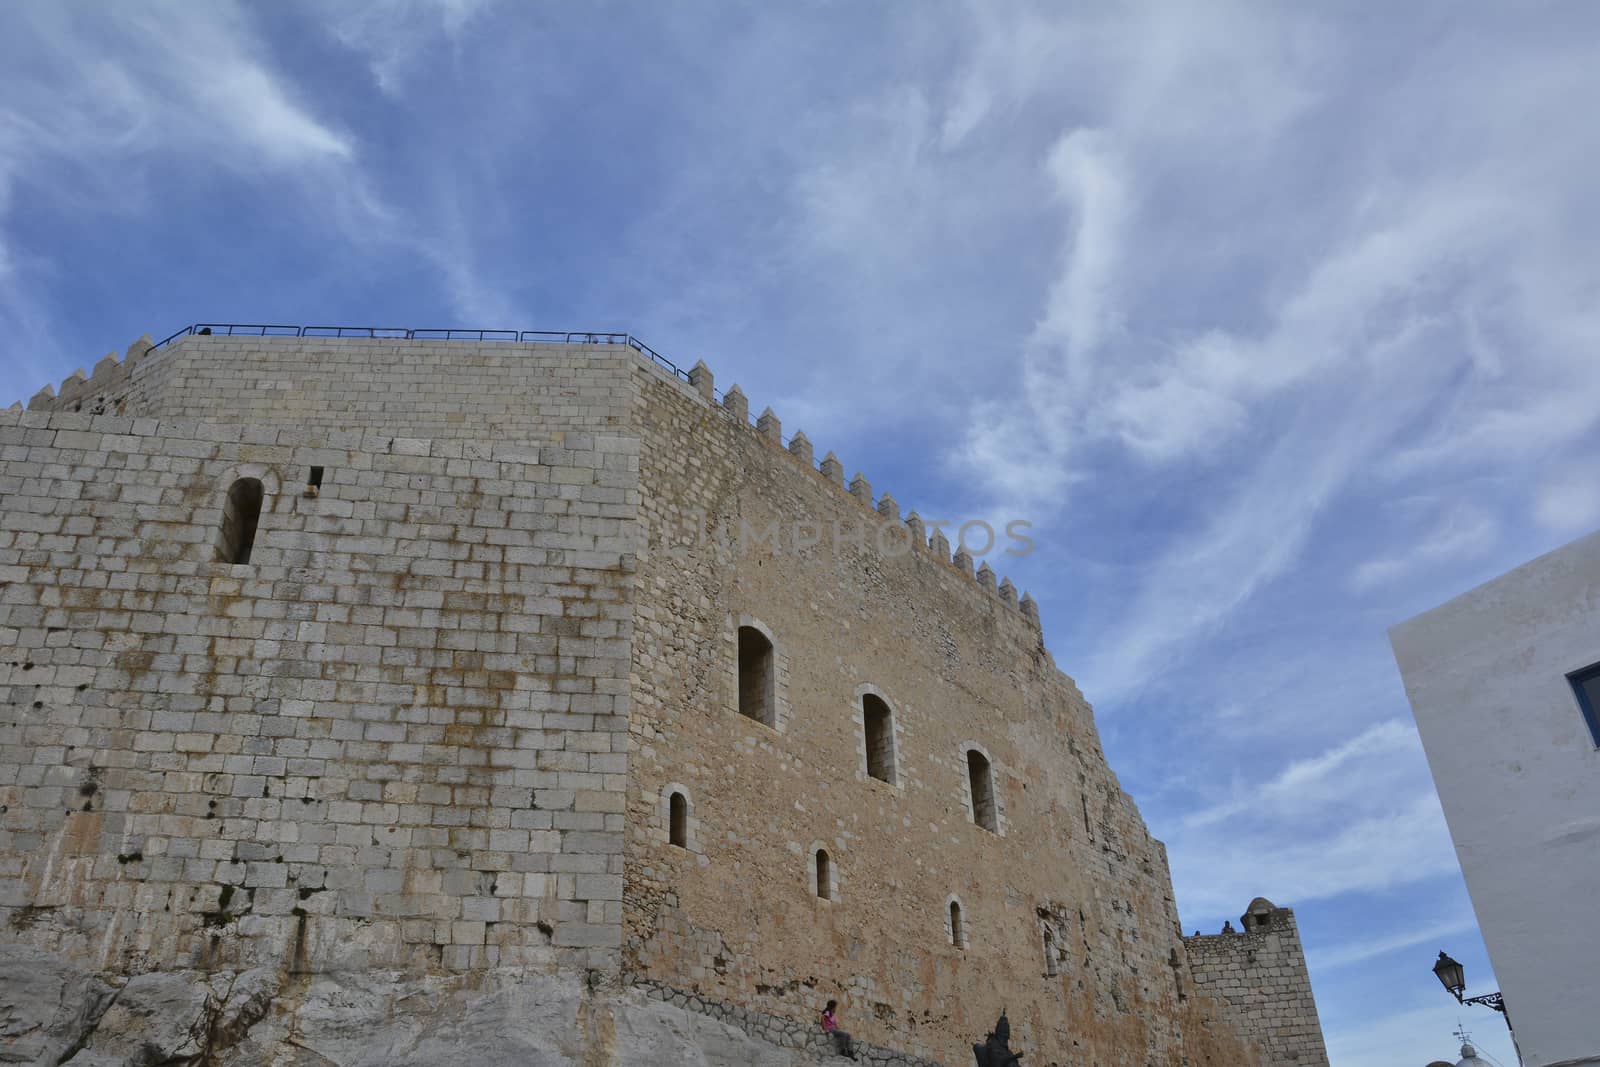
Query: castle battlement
<point x="106" y="391"/>
<point x="736" y="405"/>
<point x="345" y="661"/>
<point x="110" y="375"/>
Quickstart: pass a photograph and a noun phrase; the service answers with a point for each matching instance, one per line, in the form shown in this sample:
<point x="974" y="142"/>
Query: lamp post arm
<point x="1489" y="1000"/>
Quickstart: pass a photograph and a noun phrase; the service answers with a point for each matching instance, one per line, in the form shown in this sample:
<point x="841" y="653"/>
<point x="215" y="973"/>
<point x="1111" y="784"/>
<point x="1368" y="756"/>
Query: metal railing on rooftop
<point x="404" y="333"/>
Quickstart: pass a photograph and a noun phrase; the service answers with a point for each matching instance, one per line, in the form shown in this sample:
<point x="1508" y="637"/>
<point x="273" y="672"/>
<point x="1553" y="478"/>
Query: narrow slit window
<point x="879" y="723"/>
<point x="241" y="514"/>
<point x="1052" y="965"/>
<point x="981" y="780"/>
<point x="314" y="482"/>
<point x="756" y="676"/>
<point x="957" y="937"/>
<point x="678" y="820"/>
<point x="824" y="875"/>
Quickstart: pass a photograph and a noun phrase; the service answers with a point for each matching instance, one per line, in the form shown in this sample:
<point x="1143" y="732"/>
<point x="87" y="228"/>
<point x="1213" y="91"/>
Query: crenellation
<point x="137" y="351"/>
<point x="770" y="427"/>
<point x="861" y="489"/>
<point x="800" y="449"/>
<point x="703" y="381"/>
<point x="986" y="578"/>
<point x="919" y="533"/>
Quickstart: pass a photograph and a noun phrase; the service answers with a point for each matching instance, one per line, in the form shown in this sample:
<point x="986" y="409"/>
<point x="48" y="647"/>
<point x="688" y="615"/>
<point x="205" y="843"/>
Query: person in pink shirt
<point x="830" y="1025"/>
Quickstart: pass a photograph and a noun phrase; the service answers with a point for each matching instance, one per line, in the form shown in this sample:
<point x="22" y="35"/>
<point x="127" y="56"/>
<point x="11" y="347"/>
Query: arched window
<point x="678" y="820"/>
<point x="240" y="516"/>
<point x="958" y="936"/>
<point x="879" y="723"/>
<point x="824" y="875"/>
<point x="756" y="676"/>
<point x="1051" y="960"/>
<point x="981" y="779"/>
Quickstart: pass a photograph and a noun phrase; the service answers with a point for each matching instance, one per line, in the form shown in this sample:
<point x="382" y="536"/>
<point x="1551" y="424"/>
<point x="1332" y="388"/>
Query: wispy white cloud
<point x="1357" y="817"/>
<point x="100" y="105"/>
<point x="1381" y="358"/>
<point x="133" y="83"/>
<point x="1568" y="501"/>
<point x="392" y="33"/>
<point x="1257" y="530"/>
<point x="1463" y="532"/>
<point x="1401" y="842"/>
<point x="101" y="108"/>
<point x="1353" y="952"/>
<point x="1317" y="783"/>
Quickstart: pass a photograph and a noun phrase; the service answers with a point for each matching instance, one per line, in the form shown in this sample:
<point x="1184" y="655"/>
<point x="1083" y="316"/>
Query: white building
<point x="1505" y="685"/>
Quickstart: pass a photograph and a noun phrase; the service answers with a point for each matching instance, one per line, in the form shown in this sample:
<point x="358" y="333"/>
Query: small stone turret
<point x="1260" y="970"/>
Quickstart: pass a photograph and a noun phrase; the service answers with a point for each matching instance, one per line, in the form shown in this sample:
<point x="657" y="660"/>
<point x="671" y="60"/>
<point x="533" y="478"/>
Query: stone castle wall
<point x="435" y="723"/>
<point x="429" y="389"/>
<point x="736" y="916"/>
<point x="1261" y="972"/>
<point x="395" y="738"/>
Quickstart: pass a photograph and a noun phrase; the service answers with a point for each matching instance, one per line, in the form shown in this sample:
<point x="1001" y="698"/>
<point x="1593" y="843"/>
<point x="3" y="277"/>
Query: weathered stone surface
<point x="1260" y="970"/>
<point x="154" y="1018"/>
<point x="238" y="1003"/>
<point x="47" y="1006"/>
<point x="1067" y="918"/>
<point x="385" y="1019"/>
<point x="373" y="1019"/>
<point x="651" y="1032"/>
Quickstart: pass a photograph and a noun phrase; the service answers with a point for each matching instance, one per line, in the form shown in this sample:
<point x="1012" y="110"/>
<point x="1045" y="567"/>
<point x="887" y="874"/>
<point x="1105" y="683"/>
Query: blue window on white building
<point x="1586" y="684"/>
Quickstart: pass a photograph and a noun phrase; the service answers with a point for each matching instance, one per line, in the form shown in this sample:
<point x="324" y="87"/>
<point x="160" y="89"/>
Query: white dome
<point x="1470" y="1058"/>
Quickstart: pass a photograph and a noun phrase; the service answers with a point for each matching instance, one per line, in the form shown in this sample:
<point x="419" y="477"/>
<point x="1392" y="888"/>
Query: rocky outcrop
<point x="46" y="1006"/>
<point x="53" y="1014"/>
<point x="154" y="1019"/>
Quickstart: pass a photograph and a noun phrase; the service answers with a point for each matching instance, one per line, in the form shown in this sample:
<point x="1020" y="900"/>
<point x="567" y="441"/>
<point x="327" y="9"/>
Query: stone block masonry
<point x="747" y="916"/>
<point x="424" y="389"/>
<point x="480" y="700"/>
<point x="1261" y="972"/>
<point x="391" y="739"/>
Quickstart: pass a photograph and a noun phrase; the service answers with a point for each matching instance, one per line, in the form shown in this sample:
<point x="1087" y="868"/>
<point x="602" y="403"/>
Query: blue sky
<point x="1279" y="322"/>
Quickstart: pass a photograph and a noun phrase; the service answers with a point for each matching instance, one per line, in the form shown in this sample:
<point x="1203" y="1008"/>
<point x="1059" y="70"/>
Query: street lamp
<point x="1453" y="977"/>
